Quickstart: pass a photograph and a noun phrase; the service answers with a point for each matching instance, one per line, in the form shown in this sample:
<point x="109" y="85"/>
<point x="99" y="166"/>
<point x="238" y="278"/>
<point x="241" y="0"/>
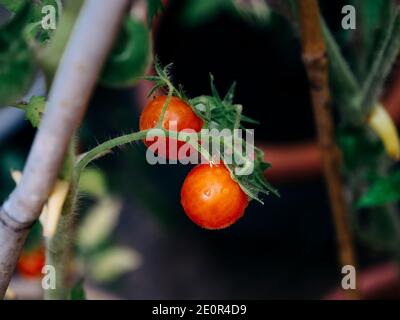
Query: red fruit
<point x="211" y="198"/>
<point x="178" y="111"/>
<point x="30" y="263"/>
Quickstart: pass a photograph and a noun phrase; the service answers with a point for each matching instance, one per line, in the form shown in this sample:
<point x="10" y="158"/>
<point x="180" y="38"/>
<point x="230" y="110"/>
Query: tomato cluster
<point x="209" y="196"/>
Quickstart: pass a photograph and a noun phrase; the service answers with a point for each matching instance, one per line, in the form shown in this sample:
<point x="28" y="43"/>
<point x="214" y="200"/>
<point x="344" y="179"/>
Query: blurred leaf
<point x="92" y="182"/>
<point x="384" y="190"/>
<point x="78" y="291"/>
<point x="114" y="262"/>
<point x="50" y="55"/>
<point x="34" y="110"/>
<point x="12" y="5"/>
<point x="254" y="12"/>
<point x="381" y="229"/>
<point x="384" y="59"/>
<point x="16" y="61"/>
<point x="131" y="56"/>
<point x="153" y="8"/>
<point x="35" y="238"/>
<point x="358" y="147"/>
<point x="196" y="12"/>
<point x="98" y="224"/>
<point x="372" y="17"/>
<point x="344" y="85"/>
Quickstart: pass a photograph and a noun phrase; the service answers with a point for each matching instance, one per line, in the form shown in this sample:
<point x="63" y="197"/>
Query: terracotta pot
<point x="377" y="283"/>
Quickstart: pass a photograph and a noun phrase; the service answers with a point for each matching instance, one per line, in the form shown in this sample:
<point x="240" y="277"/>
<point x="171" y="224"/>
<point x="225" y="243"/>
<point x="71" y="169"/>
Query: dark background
<point x="284" y="249"/>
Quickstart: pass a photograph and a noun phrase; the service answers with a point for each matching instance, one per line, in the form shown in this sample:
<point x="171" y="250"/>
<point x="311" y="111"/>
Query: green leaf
<point x="384" y="60"/>
<point x="196" y="12"/>
<point x="16" y="61"/>
<point x="359" y="147"/>
<point x="131" y="56"/>
<point x="345" y="87"/>
<point x="49" y="56"/>
<point x="372" y="18"/>
<point x="92" y="182"/>
<point x="35" y="237"/>
<point x="78" y="291"/>
<point x="154" y="7"/>
<point x="381" y="229"/>
<point x="34" y="110"/>
<point x="223" y="114"/>
<point x="13" y="5"/>
<point x="98" y="224"/>
<point x="110" y="264"/>
<point x="383" y="191"/>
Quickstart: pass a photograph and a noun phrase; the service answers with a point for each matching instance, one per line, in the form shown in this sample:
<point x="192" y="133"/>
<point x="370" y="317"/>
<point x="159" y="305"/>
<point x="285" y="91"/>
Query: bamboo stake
<point x="316" y="63"/>
<point x="76" y="77"/>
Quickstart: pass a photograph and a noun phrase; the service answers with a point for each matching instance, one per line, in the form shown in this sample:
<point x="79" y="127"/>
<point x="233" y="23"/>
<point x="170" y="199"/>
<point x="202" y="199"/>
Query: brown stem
<point x="316" y="63"/>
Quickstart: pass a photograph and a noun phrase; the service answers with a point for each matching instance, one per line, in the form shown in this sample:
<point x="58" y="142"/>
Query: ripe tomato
<point x="30" y="263"/>
<point x="178" y="111"/>
<point x="211" y="198"/>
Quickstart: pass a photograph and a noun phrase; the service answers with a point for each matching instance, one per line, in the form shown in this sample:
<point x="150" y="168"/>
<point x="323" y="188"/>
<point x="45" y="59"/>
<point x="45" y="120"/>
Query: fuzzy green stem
<point x="105" y="147"/>
<point x="166" y="103"/>
<point x="59" y="248"/>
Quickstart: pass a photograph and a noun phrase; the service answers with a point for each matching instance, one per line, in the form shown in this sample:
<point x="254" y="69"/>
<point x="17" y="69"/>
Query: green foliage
<point x="384" y="58"/>
<point x="196" y="12"/>
<point x="220" y="113"/>
<point x="372" y="18"/>
<point x="78" y="291"/>
<point x="12" y="5"/>
<point x="16" y="61"/>
<point x="34" y="110"/>
<point x="93" y="182"/>
<point x="112" y="262"/>
<point x="344" y="85"/>
<point x="35" y="238"/>
<point x="98" y="224"/>
<point x="130" y="57"/>
<point x="49" y="56"/>
<point x="154" y="7"/>
<point x="384" y="190"/>
<point x="359" y="148"/>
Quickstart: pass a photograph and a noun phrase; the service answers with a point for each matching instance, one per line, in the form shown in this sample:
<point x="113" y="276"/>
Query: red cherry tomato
<point x="211" y="198"/>
<point x="178" y="111"/>
<point x="30" y="263"/>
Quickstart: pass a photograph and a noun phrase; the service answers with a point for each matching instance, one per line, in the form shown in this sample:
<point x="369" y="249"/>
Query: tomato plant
<point x="216" y="193"/>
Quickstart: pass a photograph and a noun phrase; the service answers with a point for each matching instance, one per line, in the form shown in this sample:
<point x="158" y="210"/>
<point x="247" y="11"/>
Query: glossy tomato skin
<point x="30" y="263"/>
<point x="210" y="197"/>
<point x="178" y="111"/>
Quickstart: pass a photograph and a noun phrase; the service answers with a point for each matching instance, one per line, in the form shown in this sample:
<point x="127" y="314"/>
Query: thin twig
<point x="81" y="64"/>
<point x="316" y="62"/>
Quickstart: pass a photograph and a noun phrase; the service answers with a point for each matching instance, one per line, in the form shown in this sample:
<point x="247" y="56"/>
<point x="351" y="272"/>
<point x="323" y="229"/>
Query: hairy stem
<point x="315" y="60"/>
<point x="75" y="79"/>
<point x="59" y="247"/>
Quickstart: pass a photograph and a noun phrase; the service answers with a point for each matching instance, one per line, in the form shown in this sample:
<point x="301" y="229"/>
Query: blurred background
<point x="284" y="249"/>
